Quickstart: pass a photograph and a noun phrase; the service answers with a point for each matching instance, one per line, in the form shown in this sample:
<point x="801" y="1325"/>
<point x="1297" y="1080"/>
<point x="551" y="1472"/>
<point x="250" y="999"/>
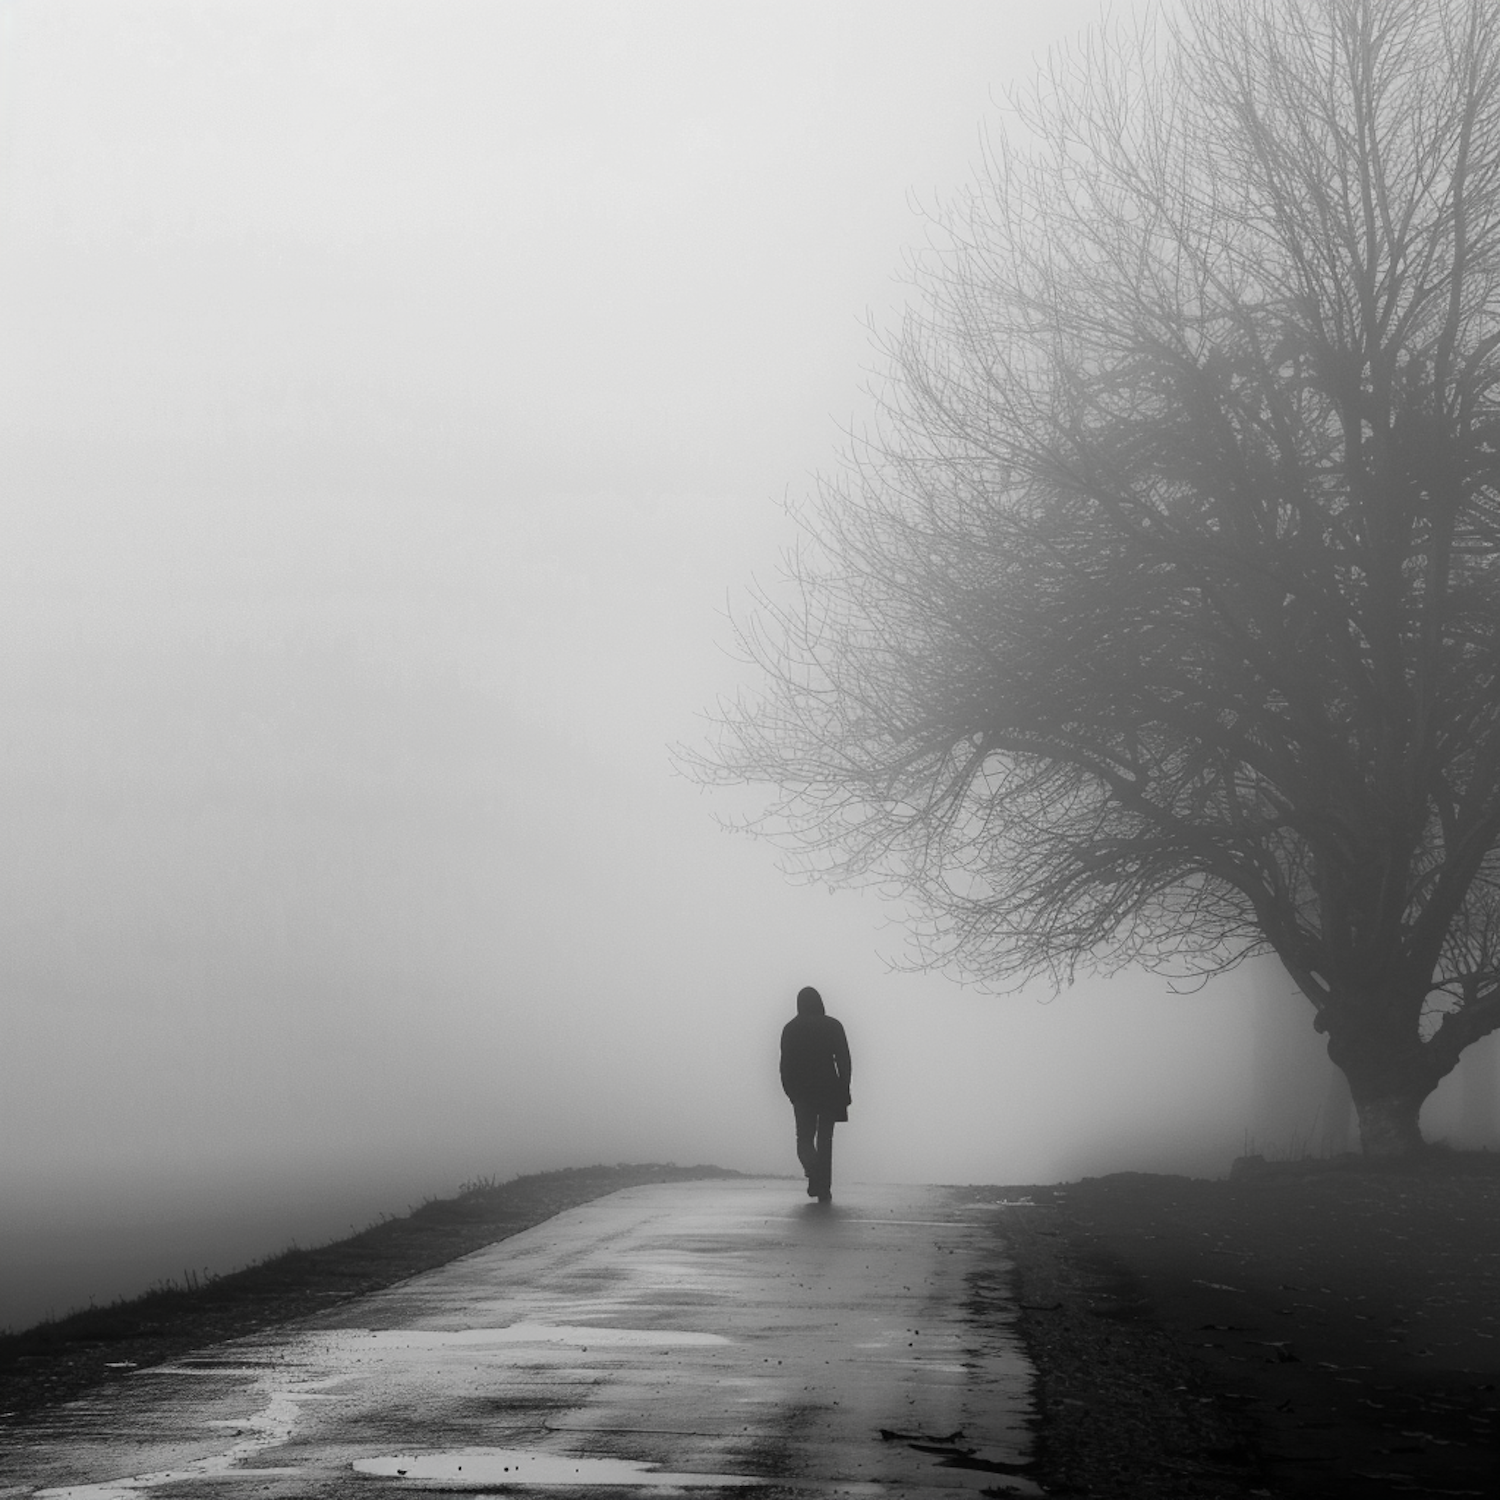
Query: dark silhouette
<point x="815" y="1073"/>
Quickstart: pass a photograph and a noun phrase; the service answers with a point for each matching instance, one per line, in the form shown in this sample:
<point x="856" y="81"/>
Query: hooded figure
<point x="815" y="1073"/>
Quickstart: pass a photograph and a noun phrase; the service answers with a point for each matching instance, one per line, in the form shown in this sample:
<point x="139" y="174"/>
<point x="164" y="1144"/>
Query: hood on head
<point x="809" y="1002"/>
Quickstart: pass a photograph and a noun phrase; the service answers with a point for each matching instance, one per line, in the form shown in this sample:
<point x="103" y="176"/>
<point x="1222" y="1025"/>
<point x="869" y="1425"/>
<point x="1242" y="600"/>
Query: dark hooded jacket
<point x="815" y="1058"/>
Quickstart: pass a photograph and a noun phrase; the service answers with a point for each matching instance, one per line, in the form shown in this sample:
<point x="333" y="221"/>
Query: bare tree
<point x="1159" y="621"/>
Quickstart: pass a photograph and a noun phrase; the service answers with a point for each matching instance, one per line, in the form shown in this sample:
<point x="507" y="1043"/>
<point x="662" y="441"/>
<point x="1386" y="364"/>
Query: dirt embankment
<point x="1301" y="1333"/>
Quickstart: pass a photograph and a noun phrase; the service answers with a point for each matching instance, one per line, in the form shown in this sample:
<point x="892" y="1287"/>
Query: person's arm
<point x="786" y="1070"/>
<point x="841" y="1061"/>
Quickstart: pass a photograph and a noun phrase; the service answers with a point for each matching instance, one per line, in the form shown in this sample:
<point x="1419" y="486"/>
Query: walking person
<point x="815" y="1073"/>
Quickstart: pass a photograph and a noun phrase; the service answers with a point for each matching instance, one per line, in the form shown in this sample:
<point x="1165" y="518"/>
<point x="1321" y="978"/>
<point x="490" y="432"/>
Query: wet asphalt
<point x="685" y="1338"/>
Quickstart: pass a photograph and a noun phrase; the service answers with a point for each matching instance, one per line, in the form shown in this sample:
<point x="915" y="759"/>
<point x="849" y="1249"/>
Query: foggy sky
<point x="392" y="396"/>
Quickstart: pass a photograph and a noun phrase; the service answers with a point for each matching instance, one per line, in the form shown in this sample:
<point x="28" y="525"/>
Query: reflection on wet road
<point x="699" y="1335"/>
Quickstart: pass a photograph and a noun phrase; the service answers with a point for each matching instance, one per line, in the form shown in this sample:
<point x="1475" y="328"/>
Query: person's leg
<point x="806" y="1116"/>
<point x="822" y="1179"/>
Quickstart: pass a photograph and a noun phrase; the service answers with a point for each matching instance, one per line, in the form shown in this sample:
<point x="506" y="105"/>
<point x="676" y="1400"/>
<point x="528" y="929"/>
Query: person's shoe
<point x="825" y="1197"/>
<point x="812" y="1192"/>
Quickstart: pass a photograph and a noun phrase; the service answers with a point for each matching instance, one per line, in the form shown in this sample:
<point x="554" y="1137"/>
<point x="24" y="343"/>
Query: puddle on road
<point x="482" y="1467"/>
<point x="267" y="1429"/>
<point x="536" y="1333"/>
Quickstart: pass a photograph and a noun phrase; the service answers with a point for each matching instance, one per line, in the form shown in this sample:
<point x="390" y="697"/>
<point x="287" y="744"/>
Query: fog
<point x="392" y="399"/>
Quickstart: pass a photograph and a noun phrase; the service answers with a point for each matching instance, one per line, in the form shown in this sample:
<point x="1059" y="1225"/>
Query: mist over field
<point x="393" y="398"/>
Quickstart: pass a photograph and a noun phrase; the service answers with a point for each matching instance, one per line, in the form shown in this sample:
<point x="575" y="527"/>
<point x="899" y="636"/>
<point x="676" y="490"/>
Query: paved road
<point x="690" y="1337"/>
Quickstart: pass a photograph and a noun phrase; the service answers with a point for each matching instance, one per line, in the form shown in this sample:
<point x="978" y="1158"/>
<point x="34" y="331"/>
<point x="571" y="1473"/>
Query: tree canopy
<point x="1158" y="620"/>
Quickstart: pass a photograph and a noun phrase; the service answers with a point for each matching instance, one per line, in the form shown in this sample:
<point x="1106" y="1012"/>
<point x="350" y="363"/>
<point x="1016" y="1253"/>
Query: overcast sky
<point x="392" y="396"/>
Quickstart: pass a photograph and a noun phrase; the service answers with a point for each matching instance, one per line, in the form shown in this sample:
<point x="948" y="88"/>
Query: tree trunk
<point x="1390" y="1074"/>
<point x="1479" y="1077"/>
<point x="1337" y="1115"/>
<point x="1388" y="1124"/>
